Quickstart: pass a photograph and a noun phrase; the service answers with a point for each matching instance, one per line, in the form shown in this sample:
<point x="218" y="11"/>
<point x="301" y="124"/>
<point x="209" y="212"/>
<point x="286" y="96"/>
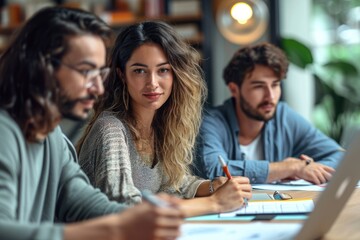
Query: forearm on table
<point x="284" y="169"/>
<point x="199" y="206"/>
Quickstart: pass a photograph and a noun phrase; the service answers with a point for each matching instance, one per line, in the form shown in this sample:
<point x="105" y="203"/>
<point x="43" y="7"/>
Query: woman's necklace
<point x="145" y="146"/>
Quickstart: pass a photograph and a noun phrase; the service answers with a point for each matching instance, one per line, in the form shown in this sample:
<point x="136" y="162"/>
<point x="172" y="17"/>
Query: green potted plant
<point x="337" y="88"/>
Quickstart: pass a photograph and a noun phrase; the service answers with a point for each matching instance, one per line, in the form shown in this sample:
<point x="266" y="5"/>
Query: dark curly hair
<point x="244" y="60"/>
<point x="28" y="90"/>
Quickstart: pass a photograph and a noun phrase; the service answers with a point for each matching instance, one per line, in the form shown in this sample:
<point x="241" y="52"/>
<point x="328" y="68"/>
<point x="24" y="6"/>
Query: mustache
<point x="266" y="103"/>
<point x="67" y="104"/>
<point x="88" y="97"/>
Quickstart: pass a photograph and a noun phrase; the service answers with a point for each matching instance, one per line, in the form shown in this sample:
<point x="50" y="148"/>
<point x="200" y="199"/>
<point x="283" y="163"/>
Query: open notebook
<point x="273" y="207"/>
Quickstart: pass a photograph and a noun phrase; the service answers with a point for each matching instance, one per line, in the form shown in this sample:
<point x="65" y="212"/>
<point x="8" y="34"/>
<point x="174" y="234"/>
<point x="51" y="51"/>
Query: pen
<point x="154" y="200"/>
<point x="224" y="167"/>
<point x="228" y="174"/>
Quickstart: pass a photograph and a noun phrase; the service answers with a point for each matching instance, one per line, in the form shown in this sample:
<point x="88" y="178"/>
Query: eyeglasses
<point x="281" y="196"/>
<point x="90" y="75"/>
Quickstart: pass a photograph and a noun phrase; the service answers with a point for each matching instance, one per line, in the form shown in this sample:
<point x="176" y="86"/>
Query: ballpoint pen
<point x="224" y="167"/>
<point x="154" y="200"/>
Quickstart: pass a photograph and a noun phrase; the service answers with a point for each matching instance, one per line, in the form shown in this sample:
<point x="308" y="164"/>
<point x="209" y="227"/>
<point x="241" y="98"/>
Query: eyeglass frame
<point x="281" y="196"/>
<point x="90" y="75"/>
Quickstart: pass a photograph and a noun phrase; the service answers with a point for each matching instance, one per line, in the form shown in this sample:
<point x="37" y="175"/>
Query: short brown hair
<point x="245" y="59"/>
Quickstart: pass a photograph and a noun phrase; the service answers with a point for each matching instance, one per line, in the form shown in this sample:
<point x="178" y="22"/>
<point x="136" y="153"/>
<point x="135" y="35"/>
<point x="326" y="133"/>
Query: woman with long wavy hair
<point x="143" y="130"/>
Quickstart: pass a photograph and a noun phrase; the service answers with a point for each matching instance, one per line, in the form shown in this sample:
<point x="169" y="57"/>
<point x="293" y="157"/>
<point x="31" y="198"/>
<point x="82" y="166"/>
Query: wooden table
<point x="346" y="226"/>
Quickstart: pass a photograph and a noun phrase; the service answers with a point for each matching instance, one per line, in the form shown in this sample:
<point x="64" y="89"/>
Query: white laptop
<point x="334" y="198"/>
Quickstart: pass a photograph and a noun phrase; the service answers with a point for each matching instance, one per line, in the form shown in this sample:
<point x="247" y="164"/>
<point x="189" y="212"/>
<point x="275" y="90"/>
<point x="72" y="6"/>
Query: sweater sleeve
<point x="10" y="227"/>
<point x="105" y="157"/>
<point x="77" y="198"/>
<point x="188" y="187"/>
<point x="11" y="148"/>
<point x="30" y="231"/>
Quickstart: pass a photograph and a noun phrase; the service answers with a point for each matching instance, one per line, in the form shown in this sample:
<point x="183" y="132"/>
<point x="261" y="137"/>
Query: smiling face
<point x="149" y="78"/>
<point x="259" y="94"/>
<point x="85" y="53"/>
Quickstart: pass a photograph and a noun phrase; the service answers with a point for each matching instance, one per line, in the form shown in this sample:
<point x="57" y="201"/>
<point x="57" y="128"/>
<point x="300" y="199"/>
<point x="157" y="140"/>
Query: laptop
<point x="337" y="193"/>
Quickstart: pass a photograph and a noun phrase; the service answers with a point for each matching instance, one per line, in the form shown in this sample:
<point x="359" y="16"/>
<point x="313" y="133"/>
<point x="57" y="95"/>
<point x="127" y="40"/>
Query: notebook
<point x="273" y="208"/>
<point x="265" y="207"/>
<point x="337" y="193"/>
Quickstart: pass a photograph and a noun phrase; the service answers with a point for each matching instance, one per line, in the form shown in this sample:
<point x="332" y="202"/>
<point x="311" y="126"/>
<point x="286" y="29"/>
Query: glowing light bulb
<point x="241" y="12"/>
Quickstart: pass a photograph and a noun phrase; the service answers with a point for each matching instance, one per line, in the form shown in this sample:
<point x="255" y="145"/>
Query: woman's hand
<point x="231" y="194"/>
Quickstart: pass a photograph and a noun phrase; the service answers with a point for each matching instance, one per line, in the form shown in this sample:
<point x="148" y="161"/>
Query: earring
<point x="125" y="96"/>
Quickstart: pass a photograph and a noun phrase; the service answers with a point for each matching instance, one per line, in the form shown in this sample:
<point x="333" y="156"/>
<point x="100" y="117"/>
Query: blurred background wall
<point x="325" y="90"/>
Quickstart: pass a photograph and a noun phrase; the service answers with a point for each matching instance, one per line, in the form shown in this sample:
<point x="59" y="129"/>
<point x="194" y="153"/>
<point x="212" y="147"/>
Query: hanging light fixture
<point x="242" y="21"/>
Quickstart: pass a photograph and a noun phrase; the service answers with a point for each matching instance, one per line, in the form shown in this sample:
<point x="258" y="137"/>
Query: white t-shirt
<point x="254" y="150"/>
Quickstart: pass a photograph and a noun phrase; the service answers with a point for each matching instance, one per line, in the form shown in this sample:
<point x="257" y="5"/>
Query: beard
<point x="253" y="113"/>
<point x="67" y="107"/>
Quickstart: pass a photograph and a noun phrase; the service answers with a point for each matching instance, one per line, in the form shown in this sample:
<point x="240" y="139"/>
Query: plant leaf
<point x="297" y="52"/>
<point x="345" y="68"/>
<point x="321" y="89"/>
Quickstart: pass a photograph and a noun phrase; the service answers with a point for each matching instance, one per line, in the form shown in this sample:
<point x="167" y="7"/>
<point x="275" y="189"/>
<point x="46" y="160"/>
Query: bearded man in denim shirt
<point x="259" y="136"/>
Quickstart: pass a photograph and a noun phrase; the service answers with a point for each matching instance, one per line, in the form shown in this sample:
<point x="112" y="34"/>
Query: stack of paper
<point x="274" y="207"/>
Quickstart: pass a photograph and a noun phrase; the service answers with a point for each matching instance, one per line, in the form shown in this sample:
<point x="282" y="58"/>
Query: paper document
<point x="281" y="207"/>
<point x="297" y="185"/>
<point x="300" y="185"/>
<point x="248" y="231"/>
<point x="300" y="182"/>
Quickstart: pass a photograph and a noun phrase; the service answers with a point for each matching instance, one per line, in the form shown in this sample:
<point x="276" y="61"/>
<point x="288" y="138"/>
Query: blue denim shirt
<point x="287" y="134"/>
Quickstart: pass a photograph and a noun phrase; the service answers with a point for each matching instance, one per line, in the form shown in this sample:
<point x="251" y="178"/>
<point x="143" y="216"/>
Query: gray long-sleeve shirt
<point x="112" y="163"/>
<point x="41" y="183"/>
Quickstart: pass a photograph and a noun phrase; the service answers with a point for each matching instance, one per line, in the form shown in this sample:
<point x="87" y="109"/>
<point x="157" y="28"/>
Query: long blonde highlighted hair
<point x="176" y="123"/>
